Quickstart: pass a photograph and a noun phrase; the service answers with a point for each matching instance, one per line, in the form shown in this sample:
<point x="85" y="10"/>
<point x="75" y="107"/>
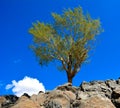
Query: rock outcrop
<point x="95" y="94"/>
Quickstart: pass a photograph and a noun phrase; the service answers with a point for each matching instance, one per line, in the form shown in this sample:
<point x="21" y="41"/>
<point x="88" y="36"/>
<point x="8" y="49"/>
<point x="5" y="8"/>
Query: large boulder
<point x="57" y="99"/>
<point x="7" y="101"/>
<point x="93" y="102"/>
<point x="96" y="87"/>
<point x="116" y="97"/>
<point x="25" y="102"/>
<point x="2" y="100"/>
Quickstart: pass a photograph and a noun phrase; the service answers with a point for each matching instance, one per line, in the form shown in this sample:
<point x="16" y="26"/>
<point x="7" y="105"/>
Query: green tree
<point x="67" y="39"/>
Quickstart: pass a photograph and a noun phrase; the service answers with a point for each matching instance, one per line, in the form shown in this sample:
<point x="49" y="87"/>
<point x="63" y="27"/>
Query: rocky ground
<point x="95" y="94"/>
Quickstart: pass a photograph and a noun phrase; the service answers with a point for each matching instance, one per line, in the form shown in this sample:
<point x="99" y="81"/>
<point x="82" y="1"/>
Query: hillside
<point x="94" y="94"/>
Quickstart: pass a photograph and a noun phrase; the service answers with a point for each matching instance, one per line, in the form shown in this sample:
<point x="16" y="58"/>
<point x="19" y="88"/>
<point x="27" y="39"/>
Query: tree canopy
<point x="67" y="39"/>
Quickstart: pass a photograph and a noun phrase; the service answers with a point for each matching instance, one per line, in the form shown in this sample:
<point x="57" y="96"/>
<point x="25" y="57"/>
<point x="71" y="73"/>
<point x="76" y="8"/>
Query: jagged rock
<point x="112" y="84"/>
<point x="70" y="94"/>
<point x="116" y="97"/>
<point x="81" y="95"/>
<point x="25" y="102"/>
<point x="25" y="94"/>
<point x="116" y="93"/>
<point x="59" y="98"/>
<point x="7" y="101"/>
<point x="96" y="87"/>
<point x="2" y="100"/>
<point x="40" y="98"/>
<point x="67" y="88"/>
<point x="67" y="84"/>
<point x="76" y="104"/>
<point x="94" y="102"/>
<point x="41" y="92"/>
<point x="34" y="97"/>
<point x="118" y="81"/>
<point x="53" y="104"/>
<point x="95" y="94"/>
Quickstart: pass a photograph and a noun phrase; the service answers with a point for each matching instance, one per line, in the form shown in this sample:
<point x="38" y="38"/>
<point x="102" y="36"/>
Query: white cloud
<point x="9" y="86"/>
<point x="26" y="85"/>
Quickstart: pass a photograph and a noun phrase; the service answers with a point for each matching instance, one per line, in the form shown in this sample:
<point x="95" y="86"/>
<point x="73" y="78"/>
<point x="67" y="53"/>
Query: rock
<point x="116" y="93"/>
<point x="67" y="84"/>
<point x="67" y="88"/>
<point x="25" y="102"/>
<point x="118" y="81"/>
<point x="70" y="95"/>
<point x="59" y="98"/>
<point x="94" y="94"/>
<point x="2" y="100"/>
<point x="94" y="102"/>
<point x="25" y="94"/>
<point x="76" y="104"/>
<point x="116" y="97"/>
<point x="81" y="95"/>
<point x="53" y="104"/>
<point x="55" y="98"/>
<point x="40" y="98"/>
<point x="96" y="87"/>
<point x="34" y="97"/>
<point x="41" y="92"/>
<point x="8" y="100"/>
<point x="112" y="84"/>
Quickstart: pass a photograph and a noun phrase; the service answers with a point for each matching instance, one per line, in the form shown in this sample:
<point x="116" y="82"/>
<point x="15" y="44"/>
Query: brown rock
<point x="54" y="98"/>
<point x="70" y="95"/>
<point x="95" y="94"/>
<point x="58" y="99"/>
<point x="41" y="98"/>
<point x="2" y="100"/>
<point x="25" y="102"/>
<point x="67" y="88"/>
<point x="96" y="102"/>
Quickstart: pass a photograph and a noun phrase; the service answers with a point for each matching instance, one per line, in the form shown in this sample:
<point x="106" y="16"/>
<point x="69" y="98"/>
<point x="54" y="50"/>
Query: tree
<point x="67" y="39"/>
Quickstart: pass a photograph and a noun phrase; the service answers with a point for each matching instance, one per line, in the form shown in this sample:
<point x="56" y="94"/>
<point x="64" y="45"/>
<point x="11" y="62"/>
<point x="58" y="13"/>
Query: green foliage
<point x="68" y="39"/>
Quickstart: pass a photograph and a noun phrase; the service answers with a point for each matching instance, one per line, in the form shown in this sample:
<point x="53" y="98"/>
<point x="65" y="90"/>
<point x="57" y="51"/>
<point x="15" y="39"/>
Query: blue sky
<point x="18" y="61"/>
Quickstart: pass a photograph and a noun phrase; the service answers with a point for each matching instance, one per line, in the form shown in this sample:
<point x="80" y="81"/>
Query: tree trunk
<point x="69" y="78"/>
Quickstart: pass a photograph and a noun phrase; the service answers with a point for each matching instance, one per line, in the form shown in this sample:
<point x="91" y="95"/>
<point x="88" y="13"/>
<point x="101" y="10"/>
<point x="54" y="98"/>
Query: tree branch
<point x="63" y="63"/>
<point x="75" y="70"/>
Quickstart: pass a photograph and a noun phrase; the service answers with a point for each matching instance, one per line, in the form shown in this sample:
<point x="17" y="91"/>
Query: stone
<point x="67" y="88"/>
<point x="76" y="104"/>
<point x="8" y="100"/>
<point x="53" y="104"/>
<point x="41" y="98"/>
<point x="116" y="93"/>
<point x="81" y="95"/>
<point x="70" y="95"/>
<point x="59" y="98"/>
<point x="112" y="84"/>
<point x="96" y="87"/>
<point x="2" y="100"/>
<point x="96" y="102"/>
<point x="118" y="81"/>
<point x="34" y="97"/>
<point x="94" y="94"/>
<point x="25" y="102"/>
<point x="116" y="97"/>
<point x="25" y="94"/>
